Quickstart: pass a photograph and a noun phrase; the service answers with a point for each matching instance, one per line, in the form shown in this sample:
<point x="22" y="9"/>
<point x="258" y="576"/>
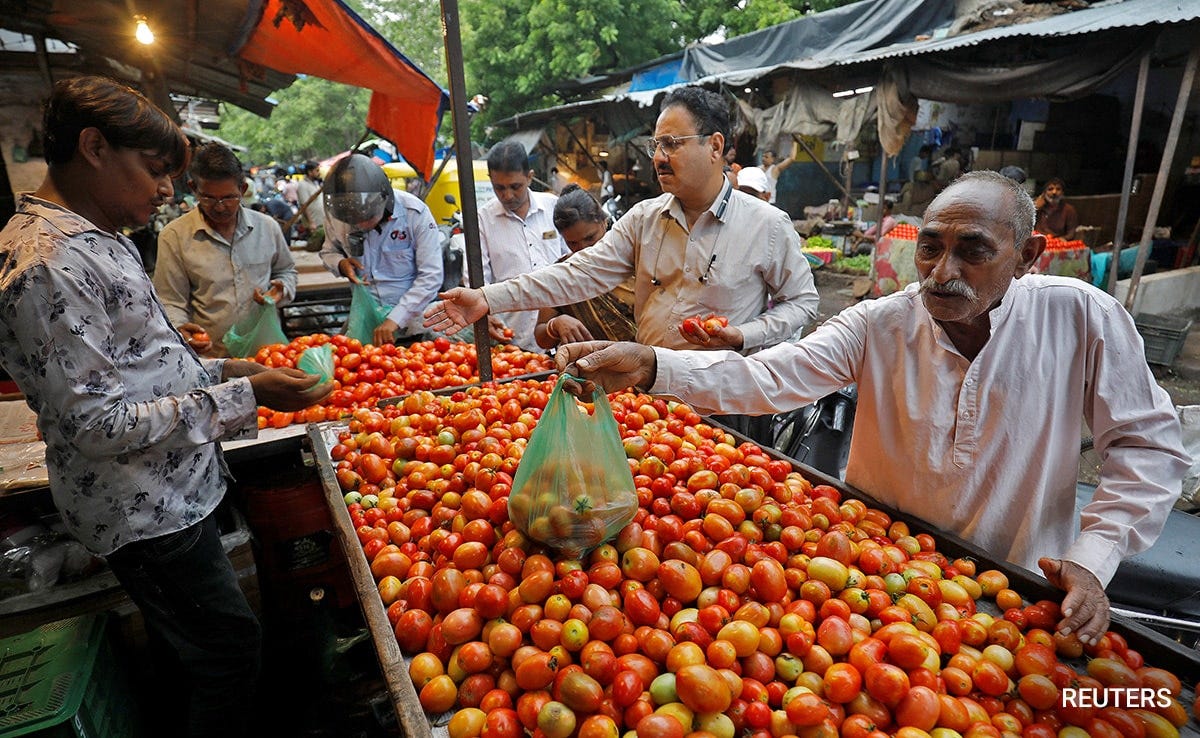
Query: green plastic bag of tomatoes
<point x="365" y="314"/>
<point x="259" y="327"/>
<point x="317" y="360"/>
<point x="573" y="490"/>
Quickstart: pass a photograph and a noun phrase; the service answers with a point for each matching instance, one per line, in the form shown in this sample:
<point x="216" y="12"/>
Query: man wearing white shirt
<point x="971" y="386"/>
<point x="774" y="170"/>
<point x="517" y="233"/>
<point x="700" y="248"/>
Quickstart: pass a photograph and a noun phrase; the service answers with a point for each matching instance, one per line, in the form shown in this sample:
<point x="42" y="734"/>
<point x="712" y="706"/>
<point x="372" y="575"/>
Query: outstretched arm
<point x="458" y="308"/>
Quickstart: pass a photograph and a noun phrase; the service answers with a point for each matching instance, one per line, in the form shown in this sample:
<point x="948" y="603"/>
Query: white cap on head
<point x="754" y="178"/>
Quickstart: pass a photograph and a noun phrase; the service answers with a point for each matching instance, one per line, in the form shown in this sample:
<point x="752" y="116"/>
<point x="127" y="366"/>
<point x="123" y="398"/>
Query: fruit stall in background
<point x="895" y="269"/>
<point x="746" y="597"/>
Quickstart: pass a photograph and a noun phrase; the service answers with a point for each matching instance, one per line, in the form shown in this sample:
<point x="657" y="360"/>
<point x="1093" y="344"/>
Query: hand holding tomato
<point x="498" y="330"/>
<point x="385" y="332"/>
<point x="196" y="337"/>
<point x="1086" y="606"/>
<point x="566" y="329"/>
<point x="713" y="332"/>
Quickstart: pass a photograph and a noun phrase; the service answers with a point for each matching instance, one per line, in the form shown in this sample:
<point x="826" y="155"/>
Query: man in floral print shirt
<point x="129" y="413"/>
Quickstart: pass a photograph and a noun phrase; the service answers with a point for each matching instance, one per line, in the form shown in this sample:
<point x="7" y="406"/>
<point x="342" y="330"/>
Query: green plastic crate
<point x="61" y="680"/>
<point x="1163" y="336"/>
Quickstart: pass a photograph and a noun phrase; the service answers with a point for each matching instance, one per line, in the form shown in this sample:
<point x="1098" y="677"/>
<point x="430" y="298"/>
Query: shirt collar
<point x="535" y="206"/>
<point x="67" y="221"/>
<point x="242" y="228"/>
<point x="719" y="208"/>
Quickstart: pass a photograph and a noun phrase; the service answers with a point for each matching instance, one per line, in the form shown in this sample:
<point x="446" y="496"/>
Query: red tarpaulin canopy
<point x="326" y="39"/>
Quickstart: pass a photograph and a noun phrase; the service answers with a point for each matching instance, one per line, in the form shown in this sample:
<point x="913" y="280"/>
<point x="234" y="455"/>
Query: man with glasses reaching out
<point x="700" y="248"/>
<point x="216" y="261"/>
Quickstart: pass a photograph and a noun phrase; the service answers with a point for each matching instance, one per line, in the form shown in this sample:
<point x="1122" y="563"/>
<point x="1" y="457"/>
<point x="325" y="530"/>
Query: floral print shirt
<point x="129" y="413"/>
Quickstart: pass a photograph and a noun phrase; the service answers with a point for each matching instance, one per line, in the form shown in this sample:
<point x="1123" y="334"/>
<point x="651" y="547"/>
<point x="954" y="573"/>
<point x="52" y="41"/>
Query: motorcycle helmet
<point x="358" y="195"/>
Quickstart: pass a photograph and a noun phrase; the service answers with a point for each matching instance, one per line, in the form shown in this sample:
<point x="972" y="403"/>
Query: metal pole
<point x="808" y="150"/>
<point x="436" y="173"/>
<point x="452" y="37"/>
<point x="1164" y="168"/>
<point x="1156" y="619"/>
<point x="43" y="59"/>
<point x="1135" y="127"/>
<point x="883" y="164"/>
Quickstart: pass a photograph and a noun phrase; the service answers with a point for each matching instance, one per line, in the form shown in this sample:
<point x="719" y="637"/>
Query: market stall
<point x="443" y="669"/>
<point x="895" y="268"/>
<point x="47" y="576"/>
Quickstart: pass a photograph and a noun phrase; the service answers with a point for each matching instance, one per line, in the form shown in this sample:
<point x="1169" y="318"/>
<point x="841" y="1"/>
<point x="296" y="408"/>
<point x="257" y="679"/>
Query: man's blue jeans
<point x="198" y="618"/>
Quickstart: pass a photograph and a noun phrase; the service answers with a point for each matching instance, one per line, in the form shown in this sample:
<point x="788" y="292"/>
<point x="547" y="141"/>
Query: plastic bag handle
<point x="597" y="394"/>
<point x="599" y="398"/>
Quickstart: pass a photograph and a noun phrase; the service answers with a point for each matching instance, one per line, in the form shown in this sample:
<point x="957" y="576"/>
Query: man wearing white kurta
<point x="971" y="388"/>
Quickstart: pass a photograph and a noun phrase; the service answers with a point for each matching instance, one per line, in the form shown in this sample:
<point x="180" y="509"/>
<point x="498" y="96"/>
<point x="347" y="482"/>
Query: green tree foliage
<point x="316" y="118"/>
<point x="517" y="52"/>
<point x="520" y="52"/>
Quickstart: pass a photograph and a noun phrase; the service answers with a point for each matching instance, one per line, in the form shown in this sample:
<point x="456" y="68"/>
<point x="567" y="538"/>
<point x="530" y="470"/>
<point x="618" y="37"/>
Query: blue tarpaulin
<point x="658" y="77"/>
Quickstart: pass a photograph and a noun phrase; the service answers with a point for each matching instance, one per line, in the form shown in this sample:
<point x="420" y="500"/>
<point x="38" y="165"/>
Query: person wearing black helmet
<point x="384" y="238"/>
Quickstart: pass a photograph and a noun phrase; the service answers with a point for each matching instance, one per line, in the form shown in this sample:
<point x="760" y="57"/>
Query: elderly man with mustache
<point x="700" y="248"/>
<point x="971" y="388"/>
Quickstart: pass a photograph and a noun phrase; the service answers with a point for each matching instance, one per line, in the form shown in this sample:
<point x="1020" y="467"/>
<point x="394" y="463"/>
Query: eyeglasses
<point x="209" y="200"/>
<point x="670" y="144"/>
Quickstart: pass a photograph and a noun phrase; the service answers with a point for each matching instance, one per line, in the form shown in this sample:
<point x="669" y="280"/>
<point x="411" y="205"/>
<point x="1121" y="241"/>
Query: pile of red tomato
<point x="741" y="601"/>
<point x="365" y="374"/>
<point x="1053" y="243"/>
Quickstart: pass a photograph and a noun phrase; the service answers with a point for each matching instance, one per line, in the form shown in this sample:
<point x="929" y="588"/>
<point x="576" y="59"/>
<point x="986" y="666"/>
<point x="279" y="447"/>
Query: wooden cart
<point x="1158" y="650"/>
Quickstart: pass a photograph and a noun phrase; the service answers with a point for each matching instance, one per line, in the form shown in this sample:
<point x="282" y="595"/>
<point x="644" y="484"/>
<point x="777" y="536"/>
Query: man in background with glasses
<point x="220" y="259"/>
<point x="701" y="248"/>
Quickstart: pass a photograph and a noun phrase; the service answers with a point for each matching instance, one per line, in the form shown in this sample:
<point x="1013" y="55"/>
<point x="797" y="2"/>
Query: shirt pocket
<point x="728" y="287"/>
<point x="397" y="256"/>
<point x="258" y="264"/>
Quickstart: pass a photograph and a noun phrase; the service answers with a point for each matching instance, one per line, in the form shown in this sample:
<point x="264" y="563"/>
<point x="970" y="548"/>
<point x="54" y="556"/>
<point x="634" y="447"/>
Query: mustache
<point x="954" y="287"/>
<point x="664" y="170"/>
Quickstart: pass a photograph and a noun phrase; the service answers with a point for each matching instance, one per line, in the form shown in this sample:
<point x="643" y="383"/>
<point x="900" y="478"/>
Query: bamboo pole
<point x="1164" y="168"/>
<point x="808" y="150"/>
<point x="1135" y="127"/>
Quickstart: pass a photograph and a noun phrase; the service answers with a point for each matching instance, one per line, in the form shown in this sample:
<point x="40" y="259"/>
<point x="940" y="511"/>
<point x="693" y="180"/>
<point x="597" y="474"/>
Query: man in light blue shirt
<point x="384" y="238"/>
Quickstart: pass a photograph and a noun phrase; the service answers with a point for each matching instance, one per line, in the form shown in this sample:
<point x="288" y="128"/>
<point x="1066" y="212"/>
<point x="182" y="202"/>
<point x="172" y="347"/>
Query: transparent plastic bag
<point x="365" y="314"/>
<point x="573" y="490"/>
<point x="317" y="360"/>
<point x="257" y="328"/>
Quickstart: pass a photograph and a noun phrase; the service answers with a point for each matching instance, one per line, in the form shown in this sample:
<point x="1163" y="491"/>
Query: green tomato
<point x="369" y="501"/>
<point x="662" y="689"/>
<point x="352" y="497"/>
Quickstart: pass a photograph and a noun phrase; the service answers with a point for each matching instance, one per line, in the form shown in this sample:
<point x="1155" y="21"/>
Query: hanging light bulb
<point x="143" y="33"/>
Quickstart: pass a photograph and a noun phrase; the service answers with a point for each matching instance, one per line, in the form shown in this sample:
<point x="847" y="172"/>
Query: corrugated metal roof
<point x="1109" y="15"/>
<point x="1100" y="17"/>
